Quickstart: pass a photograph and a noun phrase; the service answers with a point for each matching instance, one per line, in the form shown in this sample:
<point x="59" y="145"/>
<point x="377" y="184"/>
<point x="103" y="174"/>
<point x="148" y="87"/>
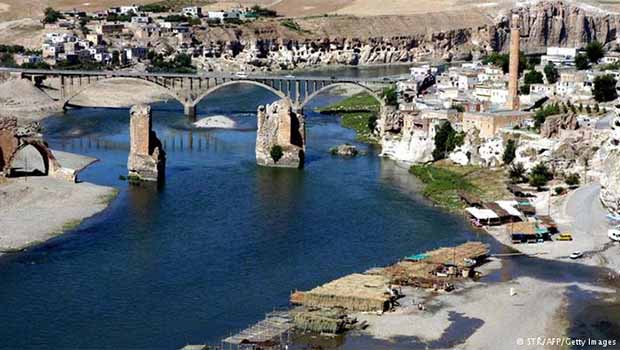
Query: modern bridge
<point x="190" y="89"/>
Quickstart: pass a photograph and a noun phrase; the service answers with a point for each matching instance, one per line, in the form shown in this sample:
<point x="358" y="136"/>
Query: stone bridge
<point x="190" y="89"/>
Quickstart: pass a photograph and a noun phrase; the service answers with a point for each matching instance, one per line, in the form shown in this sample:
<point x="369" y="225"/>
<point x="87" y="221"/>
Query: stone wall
<point x="280" y="129"/>
<point x="147" y="159"/>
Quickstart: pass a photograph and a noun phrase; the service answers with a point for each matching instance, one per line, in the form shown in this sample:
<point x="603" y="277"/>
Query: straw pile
<point x="321" y="320"/>
<point x="422" y="273"/>
<point x="356" y="292"/>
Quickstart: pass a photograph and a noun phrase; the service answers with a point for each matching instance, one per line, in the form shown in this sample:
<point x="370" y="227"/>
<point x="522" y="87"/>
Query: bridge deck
<point x="209" y="75"/>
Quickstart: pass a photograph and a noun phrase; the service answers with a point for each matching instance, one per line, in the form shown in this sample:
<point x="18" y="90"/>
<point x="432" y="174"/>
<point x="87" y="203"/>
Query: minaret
<point x="513" y="82"/>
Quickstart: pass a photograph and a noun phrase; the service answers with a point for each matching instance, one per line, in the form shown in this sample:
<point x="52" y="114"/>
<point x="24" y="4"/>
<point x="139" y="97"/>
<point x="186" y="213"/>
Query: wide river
<point x="221" y="243"/>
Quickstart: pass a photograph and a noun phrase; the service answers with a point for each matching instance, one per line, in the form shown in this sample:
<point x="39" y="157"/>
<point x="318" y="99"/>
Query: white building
<point x="467" y="80"/>
<point x="127" y="9"/>
<point x="192" y="11"/>
<point x="496" y="94"/>
<point x="559" y="56"/>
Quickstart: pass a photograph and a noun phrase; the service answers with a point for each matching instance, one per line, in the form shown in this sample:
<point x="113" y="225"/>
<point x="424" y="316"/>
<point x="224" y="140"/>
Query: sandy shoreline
<point x="485" y="315"/>
<point x="36" y="208"/>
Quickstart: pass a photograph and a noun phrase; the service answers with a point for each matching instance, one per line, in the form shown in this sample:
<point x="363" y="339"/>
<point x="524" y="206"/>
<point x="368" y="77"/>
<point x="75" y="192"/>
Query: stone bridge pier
<point x="147" y="159"/>
<point x="281" y="135"/>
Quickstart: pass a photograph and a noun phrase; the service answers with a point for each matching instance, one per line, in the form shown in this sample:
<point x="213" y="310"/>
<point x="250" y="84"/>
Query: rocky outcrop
<point x="543" y="24"/>
<point x="280" y="138"/>
<point x="553" y="125"/>
<point x="407" y="137"/>
<point x="478" y="151"/>
<point x="345" y="150"/>
<point x="147" y="159"/>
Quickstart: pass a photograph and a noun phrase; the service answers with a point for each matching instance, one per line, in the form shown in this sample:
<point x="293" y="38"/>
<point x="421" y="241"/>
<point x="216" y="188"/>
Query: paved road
<point x="589" y="217"/>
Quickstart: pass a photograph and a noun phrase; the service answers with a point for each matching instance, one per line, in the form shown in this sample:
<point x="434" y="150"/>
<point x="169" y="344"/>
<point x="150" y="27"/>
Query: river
<point x="221" y="243"/>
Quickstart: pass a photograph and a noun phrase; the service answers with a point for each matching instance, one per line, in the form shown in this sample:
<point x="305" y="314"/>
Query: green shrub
<point x="276" y="153"/>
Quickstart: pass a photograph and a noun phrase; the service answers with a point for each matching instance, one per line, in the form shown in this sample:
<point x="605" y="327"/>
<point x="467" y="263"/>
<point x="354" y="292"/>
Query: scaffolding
<point x="271" y="333"/>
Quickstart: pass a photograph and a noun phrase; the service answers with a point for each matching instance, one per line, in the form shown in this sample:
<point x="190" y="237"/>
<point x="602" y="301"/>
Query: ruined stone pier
<point x="147" y="159"/>
<point x="281" y="136"/>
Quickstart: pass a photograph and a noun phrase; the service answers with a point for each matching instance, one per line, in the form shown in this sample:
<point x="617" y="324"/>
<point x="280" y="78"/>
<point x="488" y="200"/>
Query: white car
<point x="241" y="75"/>
<point x="614" y="234"/>
<point x="576" y="255"/>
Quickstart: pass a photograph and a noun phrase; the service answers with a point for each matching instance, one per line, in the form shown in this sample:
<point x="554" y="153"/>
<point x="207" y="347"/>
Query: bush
<point x="516" y="173"/>
<point x="276" y="153"/>
<point x="559" y="190"/>
<point x="292" y="25"/>
<point x="51" y="16"/>
<point x="572" y="180"/>
<point x="263" y="12"/>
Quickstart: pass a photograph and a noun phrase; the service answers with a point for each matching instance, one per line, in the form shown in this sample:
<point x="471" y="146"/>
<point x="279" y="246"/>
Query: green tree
<point x="597" y="108"/>
<point x="510" y="151"/>
<point x="533" y="77"/>
<point x="51" y="16"/>
<point x="390" y="96"/>
<point x="516" y="173"/>
<point x="445" y="141"/>
<point x="604" y="88"/>
<point x="595" y="51"/>
<point x="540" y="175"/>
<point x="551" y="73"/>
<point x="502" y="60"/>
<point x="581" y="62"/>
<point x="588" y="109"/>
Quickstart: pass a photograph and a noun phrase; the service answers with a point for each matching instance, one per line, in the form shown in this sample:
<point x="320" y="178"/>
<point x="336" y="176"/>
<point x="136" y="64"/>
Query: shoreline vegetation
<point x="444" y="181"/>
<point x="358" y="112"/>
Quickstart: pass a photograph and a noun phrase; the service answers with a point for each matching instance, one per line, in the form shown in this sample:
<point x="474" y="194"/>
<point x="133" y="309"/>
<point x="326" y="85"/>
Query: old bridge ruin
<point x="190" y="89"/>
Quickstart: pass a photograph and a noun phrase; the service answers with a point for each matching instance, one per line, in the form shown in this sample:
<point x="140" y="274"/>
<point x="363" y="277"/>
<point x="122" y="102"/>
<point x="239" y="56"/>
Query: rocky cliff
<point x="399" y="39"/>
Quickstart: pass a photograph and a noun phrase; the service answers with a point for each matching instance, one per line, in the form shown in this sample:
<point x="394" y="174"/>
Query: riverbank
<point x="36" y="208"/>
<point x="445" y="183"/>
<point x="358" y="112"/>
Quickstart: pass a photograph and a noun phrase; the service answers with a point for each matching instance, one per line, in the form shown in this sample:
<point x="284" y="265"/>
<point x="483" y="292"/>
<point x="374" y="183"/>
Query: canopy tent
<point x="510" y="207"/>
<point x="484" y="215"/>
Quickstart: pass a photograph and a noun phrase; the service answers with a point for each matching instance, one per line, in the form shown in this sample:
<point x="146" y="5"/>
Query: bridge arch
<point x="50" y="163"/>
<point x="82" y="88"/>
<point x="206" y="93"/>
<point x="331" y="86"/>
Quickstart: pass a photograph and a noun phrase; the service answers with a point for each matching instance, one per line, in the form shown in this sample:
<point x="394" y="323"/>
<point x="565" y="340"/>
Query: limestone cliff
<point x="370" y="40"/>
<point x="406" y="136"/>
<point x="280" y="138"/>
